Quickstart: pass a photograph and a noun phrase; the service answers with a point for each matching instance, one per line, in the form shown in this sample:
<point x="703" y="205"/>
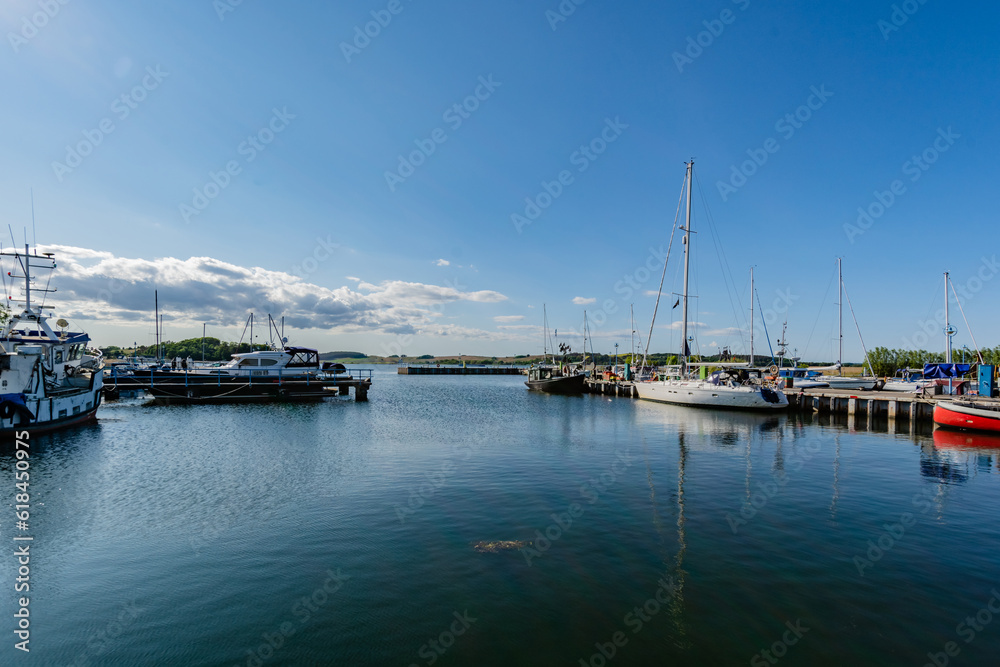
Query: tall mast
<point x="585" y="341"/>
<point x="27" y="274"/>
<point x="687" y="262"/>
<point x="947" y="322"/>
<point x="156" y="322"/>
<point x="631" y="317"/>
<point x="751" y="316"/>
<point x="840" y="318"/>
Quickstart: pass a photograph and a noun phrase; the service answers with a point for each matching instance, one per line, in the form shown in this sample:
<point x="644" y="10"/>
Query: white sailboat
<point x="841" y="381"/>
<point x="736" y="386"/>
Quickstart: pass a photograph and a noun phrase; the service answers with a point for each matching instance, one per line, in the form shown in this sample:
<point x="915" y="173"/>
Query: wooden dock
<point x="422" y="369"/>
<point x="611" y="388"/>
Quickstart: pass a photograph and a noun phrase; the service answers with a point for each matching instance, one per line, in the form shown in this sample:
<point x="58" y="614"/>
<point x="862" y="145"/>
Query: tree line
<point x="215" y="349"/>
<point x="886" y="362"/>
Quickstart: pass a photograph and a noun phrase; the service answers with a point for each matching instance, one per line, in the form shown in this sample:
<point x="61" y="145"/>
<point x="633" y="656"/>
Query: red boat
<point x="945" y="438"/>
<point x="968" y="415"/>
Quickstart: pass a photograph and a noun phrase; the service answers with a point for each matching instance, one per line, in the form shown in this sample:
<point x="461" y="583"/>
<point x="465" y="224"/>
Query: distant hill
<point x="327" y="356"/>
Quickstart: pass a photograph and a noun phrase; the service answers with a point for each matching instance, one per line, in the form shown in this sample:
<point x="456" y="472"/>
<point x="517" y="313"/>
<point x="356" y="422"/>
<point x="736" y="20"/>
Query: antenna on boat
<point x="34" y="237"/>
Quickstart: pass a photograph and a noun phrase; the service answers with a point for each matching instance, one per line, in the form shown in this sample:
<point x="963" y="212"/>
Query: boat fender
<point x="6" y="410"/>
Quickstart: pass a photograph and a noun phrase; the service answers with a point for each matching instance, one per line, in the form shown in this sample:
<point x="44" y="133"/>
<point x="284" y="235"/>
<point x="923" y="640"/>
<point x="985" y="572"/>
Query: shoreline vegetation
<point x="885" y="362"/>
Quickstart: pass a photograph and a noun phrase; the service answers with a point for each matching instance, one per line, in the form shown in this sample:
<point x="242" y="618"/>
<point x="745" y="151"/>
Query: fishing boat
<point x="968" y="415"/>
<point x="736" y="386"/>
<point x="552" y="381"/>
<point x="552" y="378"/>
<point x="49" y="380"/>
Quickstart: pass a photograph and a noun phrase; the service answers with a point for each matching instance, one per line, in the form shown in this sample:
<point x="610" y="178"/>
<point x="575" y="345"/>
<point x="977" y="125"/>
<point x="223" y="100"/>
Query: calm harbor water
<point x="344" y="533"/>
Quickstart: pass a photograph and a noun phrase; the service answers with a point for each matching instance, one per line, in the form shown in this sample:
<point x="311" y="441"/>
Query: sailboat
<point x="552" y="379"/>
<point x="736" y="386"/>
<point x="841" y="381"/>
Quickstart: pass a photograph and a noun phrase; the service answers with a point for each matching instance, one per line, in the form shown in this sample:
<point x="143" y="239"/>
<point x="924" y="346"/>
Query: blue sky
<point x="273" y="157"/>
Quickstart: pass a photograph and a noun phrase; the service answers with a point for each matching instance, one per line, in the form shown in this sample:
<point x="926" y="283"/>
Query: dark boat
<point x="552" y="381"/>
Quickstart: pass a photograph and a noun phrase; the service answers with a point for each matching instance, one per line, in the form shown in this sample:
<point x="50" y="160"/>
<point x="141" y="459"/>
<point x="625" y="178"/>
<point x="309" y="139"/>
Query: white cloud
<point x="119" y="290"/>
<point x="352" y="278"/>
<point x="583" y="301"/>
<point x="443" y="262"/>
<point x="508" y="318"/>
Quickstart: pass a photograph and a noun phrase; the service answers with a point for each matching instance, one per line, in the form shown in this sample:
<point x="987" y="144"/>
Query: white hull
<point x="899" y="385"/>
<point x="808" y="384"/>
<point x="53" y="412"/>
<point x="838" y="382"/>
<point x="706" y="394"/>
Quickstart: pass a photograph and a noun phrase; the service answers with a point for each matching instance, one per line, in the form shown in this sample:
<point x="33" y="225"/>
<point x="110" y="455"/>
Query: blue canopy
<point x="944" y="371"/>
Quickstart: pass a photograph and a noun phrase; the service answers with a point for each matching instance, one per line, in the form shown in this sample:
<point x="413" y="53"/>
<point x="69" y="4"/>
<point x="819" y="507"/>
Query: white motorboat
<point x="907" y="379"/>
<point x="801" y="378"/>
<point x="49" y="381"/>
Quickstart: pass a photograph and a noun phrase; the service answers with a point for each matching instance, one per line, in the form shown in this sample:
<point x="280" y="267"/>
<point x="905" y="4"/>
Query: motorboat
<point x="968" y="415"/>
<point x="907" y="379"/>
<point x="801" y="378"/>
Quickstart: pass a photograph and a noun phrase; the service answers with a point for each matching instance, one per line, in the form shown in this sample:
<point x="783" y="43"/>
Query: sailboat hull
<point x="845" y="382"/>
<point x="708" y="395"/>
